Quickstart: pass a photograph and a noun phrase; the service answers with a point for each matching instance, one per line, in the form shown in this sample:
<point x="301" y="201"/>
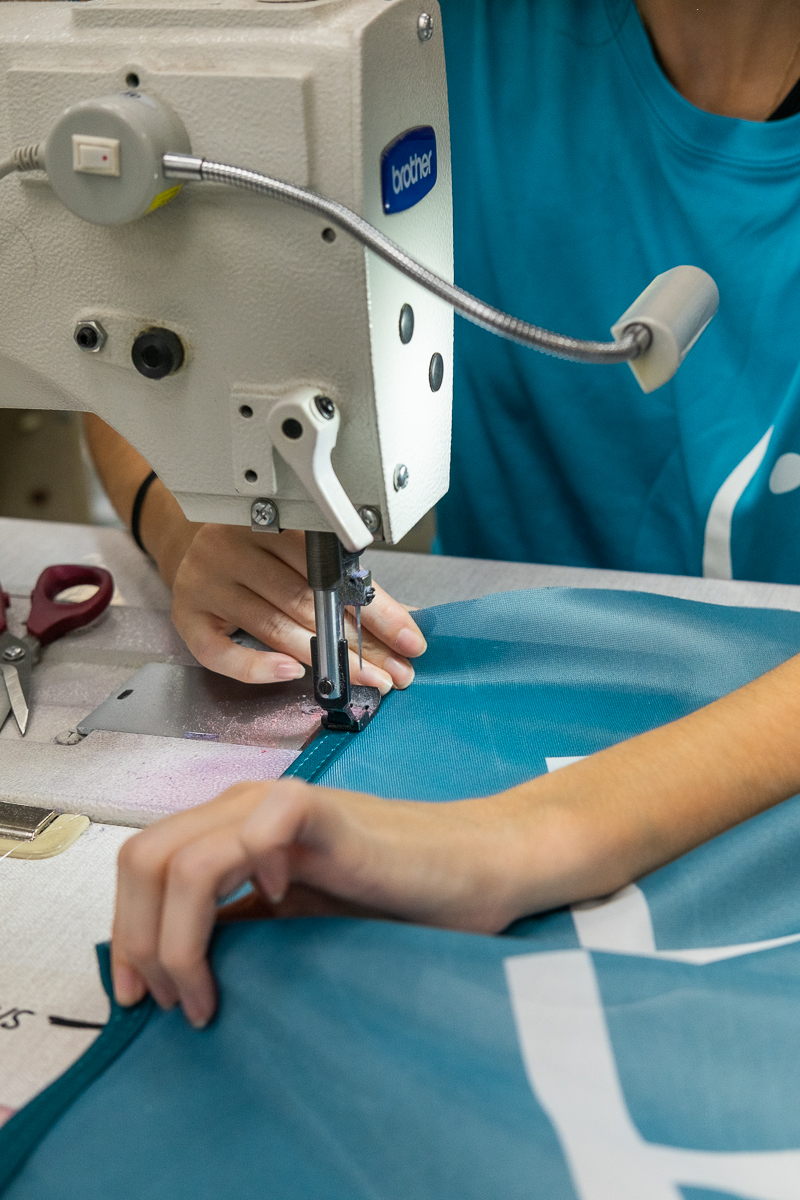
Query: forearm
<point x="164" y="530"/>
<point x="597" y="825"/>
<point x="475" y="865"/>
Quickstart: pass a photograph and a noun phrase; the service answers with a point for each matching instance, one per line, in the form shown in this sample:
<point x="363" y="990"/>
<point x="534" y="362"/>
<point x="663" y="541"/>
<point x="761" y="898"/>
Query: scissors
<point x="48" y="620"/>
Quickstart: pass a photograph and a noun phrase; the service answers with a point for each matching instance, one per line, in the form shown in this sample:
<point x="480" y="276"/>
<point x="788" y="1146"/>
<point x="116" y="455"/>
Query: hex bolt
<point x="400" y="478"/>
<point x="263" y="513"/>
<point x="90" y="336"/>
<point x="406" y="324"/>
<point x="424" y="27"/>
<point x="436" y="372"/>
<point x="67" y="737"/>
<point x="371" y="518"/>
<point x="325" y="407"/>
<point x="13" y="654"/>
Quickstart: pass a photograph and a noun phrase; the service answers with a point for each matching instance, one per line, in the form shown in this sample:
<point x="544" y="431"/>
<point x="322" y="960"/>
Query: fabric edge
<point x="20" y="1136"/>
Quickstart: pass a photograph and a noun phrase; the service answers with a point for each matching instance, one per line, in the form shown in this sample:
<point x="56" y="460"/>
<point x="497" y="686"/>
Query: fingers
<point x="210" y="642"/>
<point x="208" y="638"/>
<point x="393" y="625"/>
<point x="231" y="579"/>
<point x="143" y="881"/>
<point x="198" y="874"/>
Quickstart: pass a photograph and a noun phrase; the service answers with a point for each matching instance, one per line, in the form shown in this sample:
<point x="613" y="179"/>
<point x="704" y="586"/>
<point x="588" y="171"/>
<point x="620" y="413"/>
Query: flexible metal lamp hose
<point x="635" y="338"/>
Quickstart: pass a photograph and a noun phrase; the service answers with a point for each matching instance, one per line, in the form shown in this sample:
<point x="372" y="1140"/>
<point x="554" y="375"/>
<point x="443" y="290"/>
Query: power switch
<point x="95" y="155"/>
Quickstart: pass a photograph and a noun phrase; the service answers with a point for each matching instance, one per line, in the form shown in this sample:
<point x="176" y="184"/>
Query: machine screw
<point x="424" y="27"/>
<point x="263" y="513"/>
<point x="325" y="687"/>
<point x="325" y="407"/>
<point x="13" y="654"/>
<point x="436" y="372"/>
<point x="67" y="737"/>
<point x="400" y="477"/>
<point x="90" y="336"/>
<point x="406" y="324"/>
<point x="371" y="518"/>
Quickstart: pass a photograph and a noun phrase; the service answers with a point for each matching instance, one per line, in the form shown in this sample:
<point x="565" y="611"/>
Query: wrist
<point x="164" y="530"/>
<point x="563" y="846"/>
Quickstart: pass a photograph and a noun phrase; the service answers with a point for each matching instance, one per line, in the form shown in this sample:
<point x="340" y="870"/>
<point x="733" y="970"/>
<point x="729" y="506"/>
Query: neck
<point x="739" y="58"/>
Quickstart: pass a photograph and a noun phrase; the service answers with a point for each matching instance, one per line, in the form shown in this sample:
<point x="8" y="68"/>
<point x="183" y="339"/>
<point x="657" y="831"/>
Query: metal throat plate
<point x="167" y="700"/>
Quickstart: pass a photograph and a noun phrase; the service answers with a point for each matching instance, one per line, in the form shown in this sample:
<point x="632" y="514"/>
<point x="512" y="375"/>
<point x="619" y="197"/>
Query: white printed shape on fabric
<point x="569" y="1062"/>
<point x="717" y="541"/>
<point x="555" y="764"/>
<point x="570" y="1065"/>
<point x="785" y="475"/>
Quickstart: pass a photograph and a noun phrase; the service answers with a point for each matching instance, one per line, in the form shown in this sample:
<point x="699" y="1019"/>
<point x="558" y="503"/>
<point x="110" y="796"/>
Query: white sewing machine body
<point x="266" y="303"/>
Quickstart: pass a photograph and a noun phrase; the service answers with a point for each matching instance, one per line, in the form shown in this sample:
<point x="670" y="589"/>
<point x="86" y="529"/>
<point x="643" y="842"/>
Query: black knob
<point x="157" y="353"/>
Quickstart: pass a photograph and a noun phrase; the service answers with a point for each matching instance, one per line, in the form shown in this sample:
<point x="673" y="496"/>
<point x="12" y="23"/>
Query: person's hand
<point x="230" y="578"/>
<point x="308" y="851"/>
<point x="224" y="578"/>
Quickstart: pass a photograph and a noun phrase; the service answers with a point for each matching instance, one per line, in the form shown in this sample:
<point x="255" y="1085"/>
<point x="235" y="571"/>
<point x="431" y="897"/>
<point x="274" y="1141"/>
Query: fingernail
<point x="196" y="1022"/>
<point x="373" y="677"/>
<point x="127" y="986"/>
<point x="410" y="642"/>
<point x="289" y="670"/>
<point x="402" y="673"/>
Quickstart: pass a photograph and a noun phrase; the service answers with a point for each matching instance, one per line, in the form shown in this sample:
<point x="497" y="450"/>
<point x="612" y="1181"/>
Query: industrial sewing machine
<point x="282" y="353"/>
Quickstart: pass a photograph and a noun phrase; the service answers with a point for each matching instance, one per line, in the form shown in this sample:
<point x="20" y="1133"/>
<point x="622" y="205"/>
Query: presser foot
<point x="354" y="716"/>
<point x="354" y="707"/>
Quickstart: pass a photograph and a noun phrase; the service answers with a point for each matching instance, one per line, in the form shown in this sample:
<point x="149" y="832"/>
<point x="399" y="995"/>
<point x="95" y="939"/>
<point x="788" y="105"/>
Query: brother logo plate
<point x="408" y="169"/>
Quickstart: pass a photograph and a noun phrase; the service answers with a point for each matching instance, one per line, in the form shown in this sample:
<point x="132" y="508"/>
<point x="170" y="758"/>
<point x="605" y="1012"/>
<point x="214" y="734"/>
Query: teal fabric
<point x="361" y="1059"/>
<point x="579" y="174"/>
<point x="517" y="677"/>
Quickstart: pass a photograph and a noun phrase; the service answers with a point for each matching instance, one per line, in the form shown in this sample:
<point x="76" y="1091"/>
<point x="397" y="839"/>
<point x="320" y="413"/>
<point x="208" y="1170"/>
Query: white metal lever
<point x="303" y="429"/>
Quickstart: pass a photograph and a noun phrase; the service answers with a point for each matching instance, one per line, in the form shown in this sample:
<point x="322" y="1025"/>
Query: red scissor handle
<point x="49" y="619"/>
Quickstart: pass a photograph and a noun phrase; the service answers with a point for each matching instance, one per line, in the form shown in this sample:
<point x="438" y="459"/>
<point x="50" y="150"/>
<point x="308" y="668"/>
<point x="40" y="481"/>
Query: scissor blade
<point x="5" y="705"/>
<point x="16" y="695"/>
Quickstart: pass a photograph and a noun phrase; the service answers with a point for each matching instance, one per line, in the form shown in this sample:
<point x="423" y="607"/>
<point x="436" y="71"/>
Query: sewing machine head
<point x="268" y="307"/>
<point x="273" y="371"/>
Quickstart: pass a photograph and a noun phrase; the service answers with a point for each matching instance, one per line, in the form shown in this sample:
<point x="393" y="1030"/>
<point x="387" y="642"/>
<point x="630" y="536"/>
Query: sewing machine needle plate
<point x="167" y="700"/>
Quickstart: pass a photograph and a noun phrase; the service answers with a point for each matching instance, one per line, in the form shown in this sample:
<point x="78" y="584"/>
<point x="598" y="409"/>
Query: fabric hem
<point x="318" y="756"/>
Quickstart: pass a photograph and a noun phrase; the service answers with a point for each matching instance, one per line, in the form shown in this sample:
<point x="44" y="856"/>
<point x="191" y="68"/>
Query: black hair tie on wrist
<point x="136" y="515"/>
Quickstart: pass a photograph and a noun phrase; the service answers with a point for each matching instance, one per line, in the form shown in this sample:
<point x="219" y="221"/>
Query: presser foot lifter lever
<point x="337" y="580"/>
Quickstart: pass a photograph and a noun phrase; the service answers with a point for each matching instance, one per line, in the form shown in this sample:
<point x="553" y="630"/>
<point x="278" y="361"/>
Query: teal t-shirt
<point x="579" y="173"/>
